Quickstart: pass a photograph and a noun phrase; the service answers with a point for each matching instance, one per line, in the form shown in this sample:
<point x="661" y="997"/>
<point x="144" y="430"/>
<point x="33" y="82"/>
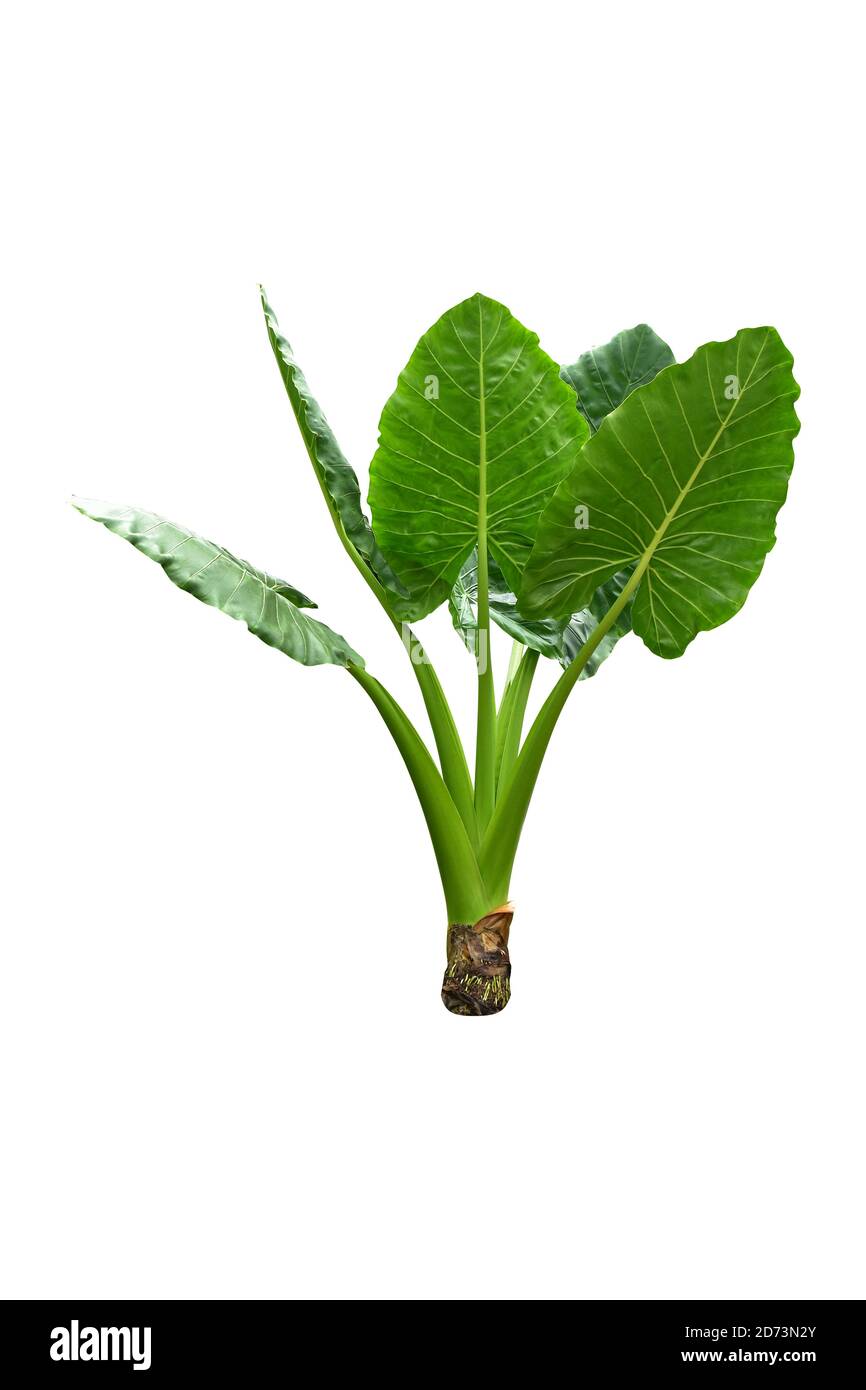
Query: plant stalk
<point x="499" y="845"/>
<point x="449" y="746"/>
<point x="452" y="757"/>
<point x="466" y="898"/>
<point x="512" y="712"/>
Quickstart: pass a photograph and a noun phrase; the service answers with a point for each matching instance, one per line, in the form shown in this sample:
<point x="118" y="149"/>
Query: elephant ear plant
<point x="568" y="506"/>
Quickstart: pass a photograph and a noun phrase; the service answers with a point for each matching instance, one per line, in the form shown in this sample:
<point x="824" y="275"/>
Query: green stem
<point x="465" y="896"/>
<point x="506" y="703"/>
<point x="499" y="846"/>
<point x="517" y="650"/>
<point x="452" y="758"/>
<point x="509" y="722"/>
<point x="485" y="737"/>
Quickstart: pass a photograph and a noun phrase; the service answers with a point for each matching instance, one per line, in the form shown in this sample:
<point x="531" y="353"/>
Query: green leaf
<point x="683" y="483"/>
<point x="540" y="634"/>
<point x="604" y="376"/>
<point x="337" y="478"/>
<point x="472" y="444"/>
<point x="583" y="624"/>
<point x="270" y="608"/>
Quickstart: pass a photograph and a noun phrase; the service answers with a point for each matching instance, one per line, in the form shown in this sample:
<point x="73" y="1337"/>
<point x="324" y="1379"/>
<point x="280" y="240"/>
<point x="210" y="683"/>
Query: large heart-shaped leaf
<point x="336" y="477"/>
<point x="681" y="485"/>
<point x="472" y="444"/>
<point x="540" y="634"/>
<point x="604" y="376"/>
<point x="270" y="608"/>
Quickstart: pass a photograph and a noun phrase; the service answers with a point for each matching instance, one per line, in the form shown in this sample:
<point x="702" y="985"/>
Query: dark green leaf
<point x="337" y="478"/>
<point x="604" y="376"/>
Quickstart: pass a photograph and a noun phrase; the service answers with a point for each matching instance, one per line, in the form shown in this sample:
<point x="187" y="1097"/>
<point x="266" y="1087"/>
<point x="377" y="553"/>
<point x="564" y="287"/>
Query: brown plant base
<point x="478" y="975"/>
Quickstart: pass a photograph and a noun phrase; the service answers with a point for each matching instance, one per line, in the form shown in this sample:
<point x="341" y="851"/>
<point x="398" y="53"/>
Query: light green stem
<point x="448" y="745"/>
<point x="452" y="758"/>
<point x="465" y="896"/>
<point x="517" y="650"/>
<point x="499" y="846"/>
<point x="509" y="721"/>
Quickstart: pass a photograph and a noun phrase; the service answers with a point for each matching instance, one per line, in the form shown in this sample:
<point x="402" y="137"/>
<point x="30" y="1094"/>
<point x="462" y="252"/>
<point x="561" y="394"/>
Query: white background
<point x="225" y="1067"/>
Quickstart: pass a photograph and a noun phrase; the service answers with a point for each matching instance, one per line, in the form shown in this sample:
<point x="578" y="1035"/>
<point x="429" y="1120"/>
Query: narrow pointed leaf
<point x="542" y="635"/>
<point x="473" y="442"/>
<point x="271" y="609"/>
<point x="682" y="483"/>
<point x="336" y="477"/>
<point x="604" y="376"/>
